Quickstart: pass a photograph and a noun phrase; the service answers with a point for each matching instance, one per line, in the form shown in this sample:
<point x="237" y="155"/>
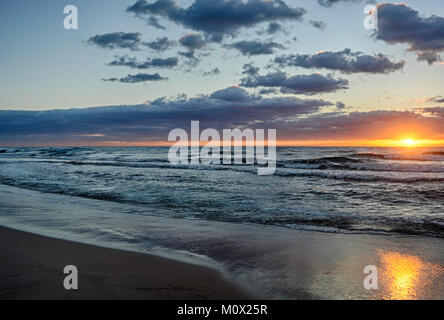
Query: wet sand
<point x="32" y="268"/>
<point x="272" y="262"/>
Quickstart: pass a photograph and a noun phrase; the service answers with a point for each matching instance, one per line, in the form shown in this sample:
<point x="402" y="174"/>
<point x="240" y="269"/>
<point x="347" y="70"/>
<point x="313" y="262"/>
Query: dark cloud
<point x="340" y="105"/>
<point x="149" y="63"/>
<point x="437" y="99"/>
<point x="345" y="61"/>
<point x="380" y="124"/>
<point x="274" y="27"/>
<point x="398" y="23"/>
<point x="250" y="69"/>
<point x="115" y="40"/>
<point x="227" y="108"/>
<point x="231" y="94"/>
<point x="218" y="18"/>
<point x="255" y="47"/>
<point x="154" y="22"/>
<point x="318" y="24"/>
<point x="192" y="41"/>
<point x="294" y="119"/>
<point x="298" y="84"/>
<point x="329" y="3"/>
<point x="160" y="44"/>
<point x="189" y="55"/>
<point x="213" y="72"/>
<point x="435" y="111"/>
<point x="268" y="91"/>
<point x="136" y="78"/>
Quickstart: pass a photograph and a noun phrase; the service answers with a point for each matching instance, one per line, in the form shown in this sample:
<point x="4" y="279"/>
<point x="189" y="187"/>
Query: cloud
<point x="294" y="119"/>
<point x="116" y="40"/>
<point x="227" y="108"/>
<point x="231" y="94"/>
<point x="345" y="61"/>
<point x="218" y="18"/>
<point x="398" y="23"/>
<point x="154" y="22"/>
<point x="190" y="55"/>
<point x="268" y="91"/>
<point x="298" y="84"/>
<point x="380" y="124"/>
<point x="136" y="78"/>
<point x="318" y="24"/>
<point x="192" y="41"/>
<point x="435" y="111"/>
<point x="250" y="69"/>
<point x="274" y="27"/>
<point x="329" y="3"/>
<point x="437" y="99"/>
<point x="149" y="63"/>
<point x="255" y="47"/>
<point x="340" y="105"/>
<point x="212" y="72"/>
<point x="160" y="44"/>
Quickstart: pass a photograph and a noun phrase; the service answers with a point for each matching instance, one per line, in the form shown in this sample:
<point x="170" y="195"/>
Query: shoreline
<point x="32" y="268"/>
<point x="266" y="261"/>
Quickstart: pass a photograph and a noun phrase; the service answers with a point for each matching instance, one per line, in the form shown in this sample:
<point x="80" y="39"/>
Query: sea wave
<point x="425" y="156"/>
<point x="327" y="168"/>
<point x="331" y="184"/>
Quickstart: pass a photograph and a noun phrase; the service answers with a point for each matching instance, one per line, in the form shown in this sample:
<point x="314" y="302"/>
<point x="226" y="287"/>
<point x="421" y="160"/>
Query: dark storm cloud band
<point x="227" y="108"/>
<point x="294" y="119"/>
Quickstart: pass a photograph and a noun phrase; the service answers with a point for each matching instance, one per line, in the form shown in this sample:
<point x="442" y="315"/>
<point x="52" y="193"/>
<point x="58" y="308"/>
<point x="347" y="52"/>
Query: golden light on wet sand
<point x="406" y="277"/>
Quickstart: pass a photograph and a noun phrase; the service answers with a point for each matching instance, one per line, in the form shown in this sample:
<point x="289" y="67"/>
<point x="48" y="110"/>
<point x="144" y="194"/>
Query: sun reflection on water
<point x="406" y="277"/>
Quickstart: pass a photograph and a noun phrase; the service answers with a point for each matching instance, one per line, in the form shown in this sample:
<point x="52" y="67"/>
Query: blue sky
<point x="46" y="67"/>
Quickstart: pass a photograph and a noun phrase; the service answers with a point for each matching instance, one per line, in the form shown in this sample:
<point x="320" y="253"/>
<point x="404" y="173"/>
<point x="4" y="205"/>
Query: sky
<point x="136" y="69"/>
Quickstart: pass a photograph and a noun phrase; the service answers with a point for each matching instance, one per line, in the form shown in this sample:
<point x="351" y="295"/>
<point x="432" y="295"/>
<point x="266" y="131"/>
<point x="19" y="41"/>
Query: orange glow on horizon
<point x="365" y="143"/>
<point x="280" y="143"/>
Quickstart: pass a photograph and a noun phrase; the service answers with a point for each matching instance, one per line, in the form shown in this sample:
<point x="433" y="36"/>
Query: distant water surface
<point x="334" y="189"/>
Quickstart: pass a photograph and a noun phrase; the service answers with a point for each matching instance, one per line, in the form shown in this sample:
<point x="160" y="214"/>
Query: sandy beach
<point x="32" y="268"/>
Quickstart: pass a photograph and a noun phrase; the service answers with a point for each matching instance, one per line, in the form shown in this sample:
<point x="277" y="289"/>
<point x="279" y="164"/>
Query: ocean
<point x="305" y="232"/>
<point x="328" y="189"/>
